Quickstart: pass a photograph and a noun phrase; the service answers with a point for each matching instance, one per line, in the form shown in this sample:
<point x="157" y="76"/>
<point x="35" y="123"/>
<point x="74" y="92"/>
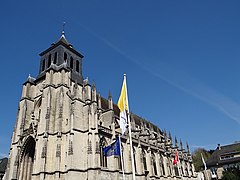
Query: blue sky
<point x="182" y="59"/>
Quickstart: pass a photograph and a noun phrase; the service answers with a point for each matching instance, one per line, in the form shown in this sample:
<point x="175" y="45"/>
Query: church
<point x="63" y="125"/>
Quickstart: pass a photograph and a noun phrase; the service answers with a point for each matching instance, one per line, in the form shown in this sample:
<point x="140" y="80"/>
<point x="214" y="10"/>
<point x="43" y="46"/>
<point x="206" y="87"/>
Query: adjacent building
<point x="63" y="124"/>
<point x="224" y="157"/>
<point x="3" y="166"/>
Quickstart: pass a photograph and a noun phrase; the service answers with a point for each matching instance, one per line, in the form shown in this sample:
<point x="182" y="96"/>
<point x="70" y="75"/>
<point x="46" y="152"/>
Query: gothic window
<point x="77" y="66"/>
<point x="55" y="58"/>
<point x="71" y="63"/>
<point x="191" y="170"/>
<point x="186" y="169"/>
<point x="43" y="65"/>
<point x="169" y="168"/>
<point x="120" y="160"/>
<point x="134" y="156"/>
<point x="182" y="170"/>
<point x="162" y="166"/>
<point x="65" y="56"/>
<point x="154" y="165"/>
<point x="176" y="170"/>
<point x="37" y="109"/>
<point x="144" y="160"/>
<point x="103" y="159"/>
<point x="49" y="60"/>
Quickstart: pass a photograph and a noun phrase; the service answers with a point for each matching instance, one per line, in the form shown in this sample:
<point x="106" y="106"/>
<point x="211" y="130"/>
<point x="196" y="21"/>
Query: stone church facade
<point x="63" y="124"/>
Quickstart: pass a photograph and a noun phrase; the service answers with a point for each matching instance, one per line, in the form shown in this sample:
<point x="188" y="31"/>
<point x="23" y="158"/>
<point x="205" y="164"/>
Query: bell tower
<point x="56" y="120"/>
<point x="62" y="54"/>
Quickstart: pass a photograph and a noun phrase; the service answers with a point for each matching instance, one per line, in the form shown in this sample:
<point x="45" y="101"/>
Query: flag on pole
<point x="123" y="106"/>
<point x="125" y="117"/>
<point x="176" y="159"/>
<point x="112" y="149"/>
<point x="204" y="163"/>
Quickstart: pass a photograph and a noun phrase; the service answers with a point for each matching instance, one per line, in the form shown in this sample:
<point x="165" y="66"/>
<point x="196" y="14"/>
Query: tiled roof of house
<point x="3" y="164"/>
<point x="225" y="155"/>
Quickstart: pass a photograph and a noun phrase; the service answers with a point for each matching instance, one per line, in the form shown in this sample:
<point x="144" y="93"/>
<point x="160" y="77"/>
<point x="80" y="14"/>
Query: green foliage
<point x="231" y="174"/>
<point x="197" y="159"/>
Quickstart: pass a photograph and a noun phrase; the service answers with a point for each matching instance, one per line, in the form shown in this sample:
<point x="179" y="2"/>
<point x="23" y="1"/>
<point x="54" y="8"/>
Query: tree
<point x="197" y="159"/>
<point x="231" y="174"/>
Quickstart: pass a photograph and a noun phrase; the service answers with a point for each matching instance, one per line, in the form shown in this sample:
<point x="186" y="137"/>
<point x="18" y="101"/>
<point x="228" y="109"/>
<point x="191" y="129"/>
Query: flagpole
<point x="205" y="167"/>
<point x="130" y="131"/>
<point x="121" y="157"/>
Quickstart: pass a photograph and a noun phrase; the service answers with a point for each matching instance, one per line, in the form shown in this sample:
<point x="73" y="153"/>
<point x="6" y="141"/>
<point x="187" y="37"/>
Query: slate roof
<point x="3" y="165"/>
<point x="137" y="120"/>
<point x="62" y="41"/>
<point x="231" y="149"/>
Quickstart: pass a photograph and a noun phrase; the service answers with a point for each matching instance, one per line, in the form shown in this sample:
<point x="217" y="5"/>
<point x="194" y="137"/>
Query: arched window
<point x="191" y="170"/>
<point x="43" y="65"/>
<point x="176" y="170"/>
<point x="65" y="56"/>
<point x="37" y="109"/>
<point x="134" y="156"/>
<point x="154" y="165"/>
<point x="144" y="160"/>
<point x="77" y="66"/>
<point x="55" y="58"/>
<point x="182" y="169"/>
<point x="186" y="169"/>
<point x="49" y="60"/>
<point x="169" y="167"/>
<point x="162" y="166"/>
<point x="103" y="159"/>
<point x="71" y="62"/>
<point x="120" y="160"/>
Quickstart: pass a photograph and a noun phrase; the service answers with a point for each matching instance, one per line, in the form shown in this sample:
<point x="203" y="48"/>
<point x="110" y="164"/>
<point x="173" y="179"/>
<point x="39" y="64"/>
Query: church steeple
<point x="63" y="39"/>
<point x="61" y="54"/>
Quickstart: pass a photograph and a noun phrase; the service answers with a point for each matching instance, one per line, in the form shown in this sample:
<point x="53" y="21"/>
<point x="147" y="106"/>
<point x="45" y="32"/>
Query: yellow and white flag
<point x="123" y="106"/>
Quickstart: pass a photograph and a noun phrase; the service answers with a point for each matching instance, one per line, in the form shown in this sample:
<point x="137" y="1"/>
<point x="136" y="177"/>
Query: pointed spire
<point x="30" y="79"/>
<point x="110" y="102"/>
<point x="165" y="136"/>
<point x="99" y="101"/>
<point x="94" y="93"/>
<point x="181" y="145"/>
<point x="164" y="133"/>
<point x="109" y="95"/>
<point x="87" y="90"/>
<point x="188" y="149"/>
<point x="176" y="142"/>
<point x="93" y="86"/>
<point x="170" y="136"/>
<point x="85" y="81"/>
<point x="63" y="38"/>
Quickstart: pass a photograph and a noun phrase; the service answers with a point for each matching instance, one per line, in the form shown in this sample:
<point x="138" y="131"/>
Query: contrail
<point x="206" y="146"/>
<point x="183" y="82"/>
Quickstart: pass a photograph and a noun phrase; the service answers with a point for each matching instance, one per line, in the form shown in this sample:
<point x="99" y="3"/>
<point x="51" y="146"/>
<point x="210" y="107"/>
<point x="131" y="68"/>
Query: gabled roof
<point x="222" y="151"/>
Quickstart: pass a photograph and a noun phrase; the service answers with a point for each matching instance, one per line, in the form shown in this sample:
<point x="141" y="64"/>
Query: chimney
<point x="219" y="147"/>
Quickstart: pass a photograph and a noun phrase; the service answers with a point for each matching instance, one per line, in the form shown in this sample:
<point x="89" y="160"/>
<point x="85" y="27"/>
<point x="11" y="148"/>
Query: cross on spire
<point x="63" y="27"/>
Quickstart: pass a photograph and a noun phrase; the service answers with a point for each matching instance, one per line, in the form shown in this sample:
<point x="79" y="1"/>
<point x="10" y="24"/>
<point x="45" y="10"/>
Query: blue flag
<point x="112" y="149"/>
